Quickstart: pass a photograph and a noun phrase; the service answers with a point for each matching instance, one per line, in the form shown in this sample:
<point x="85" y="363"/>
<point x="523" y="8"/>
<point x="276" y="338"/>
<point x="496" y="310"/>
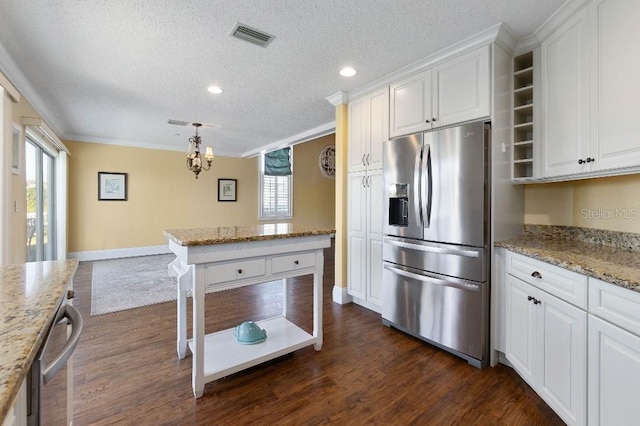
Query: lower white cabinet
<point x="614" y="354"/>
<point x="546" y="343"/>
<point x="614" y="374"/>
<point x="364" y="238"/>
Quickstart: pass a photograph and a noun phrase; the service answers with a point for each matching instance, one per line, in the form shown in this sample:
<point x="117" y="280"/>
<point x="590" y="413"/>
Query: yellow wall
<point x="341" y="196"/>
<point x="163" y="194"/>
<point x="610" y="203"/>
<point x="313" y="193"/>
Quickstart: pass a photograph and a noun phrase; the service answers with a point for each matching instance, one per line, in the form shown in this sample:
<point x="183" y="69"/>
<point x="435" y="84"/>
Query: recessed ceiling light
<point x="348" y="72"/>
<point x="214" y="89"/>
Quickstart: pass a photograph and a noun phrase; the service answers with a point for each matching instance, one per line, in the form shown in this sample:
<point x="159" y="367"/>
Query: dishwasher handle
<point x="432" y="280"/>
<point x="75" y="320"/>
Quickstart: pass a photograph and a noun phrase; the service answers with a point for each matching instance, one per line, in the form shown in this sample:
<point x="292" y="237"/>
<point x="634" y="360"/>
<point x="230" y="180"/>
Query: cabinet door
<point x="562" y="341"/>
<point x="359" y="111"/>
<point x="410" y="106"/>
<point x="461" y="89"/>
<point x="379" y="127"/>
<point x="616" y="64"/>
<point x="356" y="234"/>
<point x="614" y="374"/>
<point x="521" y="328"/>
<point x="565" y="98"/>
<point x="375" y="215"/>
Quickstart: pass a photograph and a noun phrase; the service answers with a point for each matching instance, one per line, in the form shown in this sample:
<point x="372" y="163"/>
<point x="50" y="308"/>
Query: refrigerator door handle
<point x="427" y="189"/>
<point x="430" y="249"/>
<point x="431" y="280"/>
<point x="417" y="185"/>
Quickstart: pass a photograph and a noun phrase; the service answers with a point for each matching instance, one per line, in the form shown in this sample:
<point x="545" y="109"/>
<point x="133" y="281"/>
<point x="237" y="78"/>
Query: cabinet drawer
<point x="615" y="304"/>
<point x="564" y="284"/>
<point x="290" y="263"/>
<point x="236" y="270"/>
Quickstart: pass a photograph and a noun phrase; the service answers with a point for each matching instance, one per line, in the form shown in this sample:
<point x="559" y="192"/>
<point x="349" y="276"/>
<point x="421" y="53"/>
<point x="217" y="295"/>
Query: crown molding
<point x="564" y="12"/>
<point x="13" y="74"/>
<point x="316" y="132"/>
<point x="338" y="98"/>
<point x="471" y="43"/>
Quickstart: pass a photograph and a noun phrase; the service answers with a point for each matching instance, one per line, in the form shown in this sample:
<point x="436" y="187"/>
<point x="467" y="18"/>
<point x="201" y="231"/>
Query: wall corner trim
<point x="341" y="296"/>
<point x="119" y="253"/>
<point x="340" y="97"/>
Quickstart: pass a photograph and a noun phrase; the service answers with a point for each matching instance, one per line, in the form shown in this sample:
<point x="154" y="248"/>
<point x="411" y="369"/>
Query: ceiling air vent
<point x="177" y="122"/>
<point x="252" y="35"/>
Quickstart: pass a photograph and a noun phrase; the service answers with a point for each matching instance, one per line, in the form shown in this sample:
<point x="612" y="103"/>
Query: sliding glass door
<point x="41" y="229"/>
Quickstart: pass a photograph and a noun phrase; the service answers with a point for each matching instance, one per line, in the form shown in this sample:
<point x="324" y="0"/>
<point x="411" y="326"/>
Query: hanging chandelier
<point x="194" y="161"/>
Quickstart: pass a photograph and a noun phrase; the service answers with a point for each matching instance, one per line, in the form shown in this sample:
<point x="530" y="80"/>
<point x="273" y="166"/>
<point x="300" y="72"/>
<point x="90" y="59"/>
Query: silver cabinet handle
<point x="363" y="178"/>
<point x="368" y="181"/>
<point x="75" y="320"/>
<point x="363" y="163"/>
<point x="432" y="280"/>
<point x="368" y="160"/>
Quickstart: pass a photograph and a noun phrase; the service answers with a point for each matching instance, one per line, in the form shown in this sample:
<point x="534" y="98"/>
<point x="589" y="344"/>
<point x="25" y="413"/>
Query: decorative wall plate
<point x="327" y="161"/>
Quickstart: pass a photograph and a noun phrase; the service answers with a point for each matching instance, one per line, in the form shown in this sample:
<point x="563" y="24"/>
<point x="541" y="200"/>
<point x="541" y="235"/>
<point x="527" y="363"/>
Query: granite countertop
<point x="29" y="296"/>
<point x="609" y="256"/>
<point x="237" y="234"/>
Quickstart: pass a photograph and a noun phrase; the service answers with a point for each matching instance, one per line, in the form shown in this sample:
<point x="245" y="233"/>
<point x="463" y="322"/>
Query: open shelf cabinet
<point x="524" y="117"/>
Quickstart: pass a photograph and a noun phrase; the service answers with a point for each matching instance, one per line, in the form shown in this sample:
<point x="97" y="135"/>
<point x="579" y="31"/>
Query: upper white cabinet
<point x="565" y="95"/>
<point x="368" y="130"/>
<point x="615" y="32"/>
<point x="410" y="109"/>
<point x="589" y="86"/>
<point x="455" y="91"/>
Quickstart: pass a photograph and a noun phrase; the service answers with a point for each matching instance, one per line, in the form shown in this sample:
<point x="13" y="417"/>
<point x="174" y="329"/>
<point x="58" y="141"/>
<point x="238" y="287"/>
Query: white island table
<point x="216" y="259"/>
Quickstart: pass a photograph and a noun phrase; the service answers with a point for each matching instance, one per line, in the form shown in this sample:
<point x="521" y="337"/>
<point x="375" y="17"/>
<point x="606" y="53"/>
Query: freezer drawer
<point x="457" y="261"/>
<point x="447" y="311"/>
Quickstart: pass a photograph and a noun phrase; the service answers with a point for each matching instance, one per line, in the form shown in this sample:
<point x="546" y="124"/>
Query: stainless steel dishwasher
<point x="48" y="395"/>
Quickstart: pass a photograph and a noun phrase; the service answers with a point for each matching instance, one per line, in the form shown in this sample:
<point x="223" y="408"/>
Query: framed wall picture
<point x="227" y="190"/>
<point x="112" y="186"/>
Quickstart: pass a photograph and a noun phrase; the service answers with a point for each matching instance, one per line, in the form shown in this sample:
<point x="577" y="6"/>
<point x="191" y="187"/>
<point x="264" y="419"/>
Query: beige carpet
<point x="120" y="284"/>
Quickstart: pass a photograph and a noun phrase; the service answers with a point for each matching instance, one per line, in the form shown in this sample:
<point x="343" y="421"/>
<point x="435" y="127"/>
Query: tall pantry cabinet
<point x="368" y="130"/>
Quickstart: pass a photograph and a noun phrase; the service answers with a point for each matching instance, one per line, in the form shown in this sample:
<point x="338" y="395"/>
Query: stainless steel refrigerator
<point x="436" y="229"/>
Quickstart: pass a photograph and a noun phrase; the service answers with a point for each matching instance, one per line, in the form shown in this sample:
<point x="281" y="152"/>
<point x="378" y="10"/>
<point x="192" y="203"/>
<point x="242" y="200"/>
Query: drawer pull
<point x="535" y="301"/>
<point x="295" y="262"/>
<point x="536" y="274"/>
<point x="239" y="271"/>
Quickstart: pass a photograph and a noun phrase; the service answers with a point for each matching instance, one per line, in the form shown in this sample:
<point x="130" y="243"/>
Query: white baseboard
<point x="368" y="305"/>
<point x="340" y="295"/>
<point x="119" y="253"/>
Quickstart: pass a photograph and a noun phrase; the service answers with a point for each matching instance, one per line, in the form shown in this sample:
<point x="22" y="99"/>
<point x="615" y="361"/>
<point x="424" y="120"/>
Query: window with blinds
<point x="276" y="185"/>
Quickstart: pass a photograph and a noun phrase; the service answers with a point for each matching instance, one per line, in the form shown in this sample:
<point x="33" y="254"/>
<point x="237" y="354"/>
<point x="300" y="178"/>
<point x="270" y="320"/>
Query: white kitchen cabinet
<point x="365" y="238"/>
<point x="614" y="374"/>
<point x="410" y="107"/>
<point x="614" y="354"/>
<point x="589" y="86"/>
<point x="455" y="91"/>
<point x="615" y="35"/>
<point x="17" y="414"/>
<point x="461" y="88"/>
<point x="368" y="130"/>
<point x="565" y="98"/>
<point x="546" y="339"/>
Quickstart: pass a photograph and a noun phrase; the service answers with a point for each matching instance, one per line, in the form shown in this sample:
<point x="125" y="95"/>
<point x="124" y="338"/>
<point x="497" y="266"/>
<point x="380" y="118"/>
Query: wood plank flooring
<point x="126" y="370"/>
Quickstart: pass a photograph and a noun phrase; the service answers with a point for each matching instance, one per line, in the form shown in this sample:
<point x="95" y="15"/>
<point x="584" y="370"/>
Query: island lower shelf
<point x="223" y="355"/>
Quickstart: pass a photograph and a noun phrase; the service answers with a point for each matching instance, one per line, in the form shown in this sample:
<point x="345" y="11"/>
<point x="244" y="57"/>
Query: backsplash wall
<point x="610" y="203"/>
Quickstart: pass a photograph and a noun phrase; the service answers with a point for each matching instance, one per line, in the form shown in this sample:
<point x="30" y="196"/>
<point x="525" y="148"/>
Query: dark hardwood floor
<point x="126" y="370"/>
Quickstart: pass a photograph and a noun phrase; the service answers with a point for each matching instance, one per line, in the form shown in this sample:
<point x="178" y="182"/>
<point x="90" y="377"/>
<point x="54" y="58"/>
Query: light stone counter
<point x="237" y="234"/>
<point x="29" y="296"/>
<point x="613" y="257"/>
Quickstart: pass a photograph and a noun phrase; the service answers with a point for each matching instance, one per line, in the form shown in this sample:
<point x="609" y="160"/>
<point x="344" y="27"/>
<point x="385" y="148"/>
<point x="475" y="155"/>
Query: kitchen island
<point x="30" y="293"/>
<point x="216" y="259"/>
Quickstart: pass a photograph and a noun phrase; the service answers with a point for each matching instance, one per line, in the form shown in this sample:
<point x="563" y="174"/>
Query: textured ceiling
<point x="116" y="71"/>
